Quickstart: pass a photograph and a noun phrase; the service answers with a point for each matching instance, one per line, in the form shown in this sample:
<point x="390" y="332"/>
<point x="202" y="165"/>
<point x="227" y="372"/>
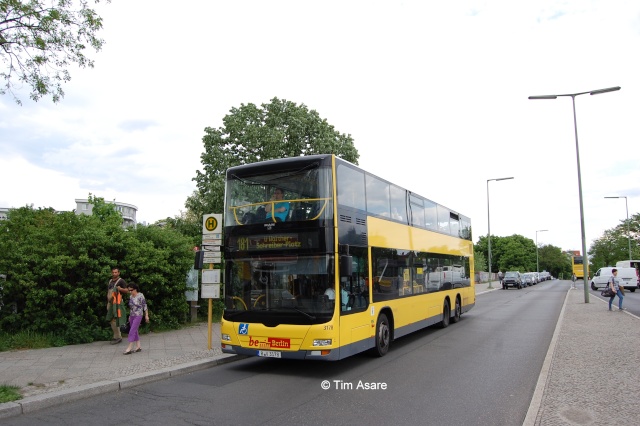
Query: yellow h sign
<point x="211" y="223"/>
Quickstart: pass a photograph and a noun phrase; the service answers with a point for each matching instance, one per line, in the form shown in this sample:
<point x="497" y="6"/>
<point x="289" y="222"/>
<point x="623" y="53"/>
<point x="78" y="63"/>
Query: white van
<point x="627" y="276"/>
<point x="628" y="264"/>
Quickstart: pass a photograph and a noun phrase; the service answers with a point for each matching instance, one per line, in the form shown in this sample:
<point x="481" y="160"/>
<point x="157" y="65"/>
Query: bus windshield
<point x="291" y="192"/>
<point x="294" y="289"/>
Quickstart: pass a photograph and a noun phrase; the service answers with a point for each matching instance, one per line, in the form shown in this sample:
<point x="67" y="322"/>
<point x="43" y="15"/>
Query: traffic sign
<point x="211" y="276"/>
<point x="212" y="257"/>
<point x="210" y="291"/>
<point x="211" y="224"/>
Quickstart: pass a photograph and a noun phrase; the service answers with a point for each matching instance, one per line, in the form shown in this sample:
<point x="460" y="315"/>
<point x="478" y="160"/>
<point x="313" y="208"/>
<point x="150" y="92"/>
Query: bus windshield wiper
<point x="234" y="314"/>
<point x="311" y="317"/>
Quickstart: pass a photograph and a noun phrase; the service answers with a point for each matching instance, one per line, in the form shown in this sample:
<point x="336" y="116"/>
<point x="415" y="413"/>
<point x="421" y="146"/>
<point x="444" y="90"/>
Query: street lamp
<point x="489" y="225"/>
<point x="537" y="264"/>
<point x="585" y="259"/>
<point x="628" y="232"/>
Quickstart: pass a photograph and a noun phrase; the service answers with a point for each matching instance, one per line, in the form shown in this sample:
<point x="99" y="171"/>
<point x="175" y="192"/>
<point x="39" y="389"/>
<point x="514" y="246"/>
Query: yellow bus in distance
<point x="577" y="266"/>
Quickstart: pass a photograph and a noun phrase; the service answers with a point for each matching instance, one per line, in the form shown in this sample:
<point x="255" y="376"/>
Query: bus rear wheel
<point x="457" y="312"/>
<point x="446" y="315"/>
<point x="383" y="336"/>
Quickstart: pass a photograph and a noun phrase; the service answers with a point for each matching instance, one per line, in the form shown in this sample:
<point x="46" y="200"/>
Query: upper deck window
<point x="351" y="189"/>
<point x="398" y="203"/>
<point x="431" y="214"/>
<point x="378" y="196"/>
<point x="443" y="220"/>
<point x="417" y="211"/>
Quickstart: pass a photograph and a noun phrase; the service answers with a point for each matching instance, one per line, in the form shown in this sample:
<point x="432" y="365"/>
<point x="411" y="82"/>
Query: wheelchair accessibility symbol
<point x="243" y="329"/>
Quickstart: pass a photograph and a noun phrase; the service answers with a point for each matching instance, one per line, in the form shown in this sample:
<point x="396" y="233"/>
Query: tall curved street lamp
<point x="489" y="225"/>
<point x="537" y="264"/>
<point x="585" y="257"/>
<point x="628" y="231"/>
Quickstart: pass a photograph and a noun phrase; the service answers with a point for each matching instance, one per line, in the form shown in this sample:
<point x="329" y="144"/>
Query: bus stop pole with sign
<point x="210" y="290"/>
<point x="211" y="237"/>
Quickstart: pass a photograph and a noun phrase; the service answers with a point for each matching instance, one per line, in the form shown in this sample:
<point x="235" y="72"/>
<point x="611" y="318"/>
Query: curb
<point x="536" y="399"/>
<point x="46" y="400"/>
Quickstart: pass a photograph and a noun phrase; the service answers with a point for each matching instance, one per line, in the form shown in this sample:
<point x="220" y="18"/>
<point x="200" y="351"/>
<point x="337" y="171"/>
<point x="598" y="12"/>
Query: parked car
<point x="512" y="279"/>
<point x="528" y="278"/>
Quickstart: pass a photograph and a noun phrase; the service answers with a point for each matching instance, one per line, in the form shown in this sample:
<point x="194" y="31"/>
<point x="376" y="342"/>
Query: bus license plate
<point x="270" y="354"/>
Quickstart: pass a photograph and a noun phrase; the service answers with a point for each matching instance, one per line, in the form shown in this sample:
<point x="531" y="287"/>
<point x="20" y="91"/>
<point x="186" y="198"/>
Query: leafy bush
<point x="57" y="266"/>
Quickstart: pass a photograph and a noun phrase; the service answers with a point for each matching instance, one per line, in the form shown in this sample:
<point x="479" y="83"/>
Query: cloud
<point x="133" y="125"/>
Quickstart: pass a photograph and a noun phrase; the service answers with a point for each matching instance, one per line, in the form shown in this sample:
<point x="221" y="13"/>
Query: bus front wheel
<point x="383" y="336"/>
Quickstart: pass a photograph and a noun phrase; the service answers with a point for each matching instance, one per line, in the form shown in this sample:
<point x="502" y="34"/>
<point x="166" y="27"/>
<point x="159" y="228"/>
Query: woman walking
<point x="137" y="308"/>
<point x="614" y="285"/>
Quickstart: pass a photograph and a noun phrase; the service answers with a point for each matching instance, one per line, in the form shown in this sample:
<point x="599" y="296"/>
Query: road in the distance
<point x="481" y="371"/>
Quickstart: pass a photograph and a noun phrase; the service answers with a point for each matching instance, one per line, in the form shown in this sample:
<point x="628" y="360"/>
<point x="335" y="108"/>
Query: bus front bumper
<point x="320" y="355"/>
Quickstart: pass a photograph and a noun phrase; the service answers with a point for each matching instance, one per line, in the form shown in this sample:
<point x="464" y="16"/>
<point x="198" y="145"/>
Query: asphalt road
<point x="481" y="371"/>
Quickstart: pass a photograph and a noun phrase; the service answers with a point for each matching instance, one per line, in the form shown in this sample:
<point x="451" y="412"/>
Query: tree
<point x="479" y="261"/>
<point x="608" y="249"/>
<point x="614" y="244"/>
<point x="186" y="223"/>
<point x="39" y="40"/>
<point x="554" y="261"/>
<point x="518" y="253"/>
<point x="251" y="133"/>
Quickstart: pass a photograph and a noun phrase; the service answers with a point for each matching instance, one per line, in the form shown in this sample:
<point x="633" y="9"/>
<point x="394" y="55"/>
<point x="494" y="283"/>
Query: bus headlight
<point x="225" y="337"/>
<point x="322" y="342"/>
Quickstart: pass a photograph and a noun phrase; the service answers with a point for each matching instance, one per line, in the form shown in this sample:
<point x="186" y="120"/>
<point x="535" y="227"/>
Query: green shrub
<point x="57" y="266"/>
<point x="9" y="393"/>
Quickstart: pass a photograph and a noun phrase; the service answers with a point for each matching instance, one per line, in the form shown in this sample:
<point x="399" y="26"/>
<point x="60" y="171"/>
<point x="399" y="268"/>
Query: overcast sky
<point x="434" y="93"/>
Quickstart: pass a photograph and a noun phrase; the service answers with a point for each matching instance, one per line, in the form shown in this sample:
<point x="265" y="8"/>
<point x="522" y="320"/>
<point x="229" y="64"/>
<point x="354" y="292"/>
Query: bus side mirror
<point x="346" y="265"/>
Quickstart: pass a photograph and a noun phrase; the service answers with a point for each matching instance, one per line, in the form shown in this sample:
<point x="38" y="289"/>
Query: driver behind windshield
<point x="280" y="208"/>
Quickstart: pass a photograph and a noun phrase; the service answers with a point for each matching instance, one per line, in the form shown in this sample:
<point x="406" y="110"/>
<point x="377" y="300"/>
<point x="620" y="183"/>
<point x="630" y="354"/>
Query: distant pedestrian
<point x="138" y="308"/>
<point x="614" y="285"/>
<point x="573" y="281"/>
<point x="116" y="312"/>
<point x="500" y="277"/>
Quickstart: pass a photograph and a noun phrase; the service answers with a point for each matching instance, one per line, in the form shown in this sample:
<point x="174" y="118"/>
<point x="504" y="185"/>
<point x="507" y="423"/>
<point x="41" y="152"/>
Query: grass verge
<point x="9" y="393"/>
<point x="29" y="340"/>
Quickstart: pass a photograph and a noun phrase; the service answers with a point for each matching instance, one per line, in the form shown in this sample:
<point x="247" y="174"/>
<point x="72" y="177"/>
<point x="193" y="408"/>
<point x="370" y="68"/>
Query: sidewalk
<point x="591" y="373"/>
<point x="53" y="376"/>
<point x="572" y="384"/>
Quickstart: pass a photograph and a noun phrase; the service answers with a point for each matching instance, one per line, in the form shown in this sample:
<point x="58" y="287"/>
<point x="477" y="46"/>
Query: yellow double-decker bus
<point x="577" y="266"/>
<point x="324" y="260"/>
